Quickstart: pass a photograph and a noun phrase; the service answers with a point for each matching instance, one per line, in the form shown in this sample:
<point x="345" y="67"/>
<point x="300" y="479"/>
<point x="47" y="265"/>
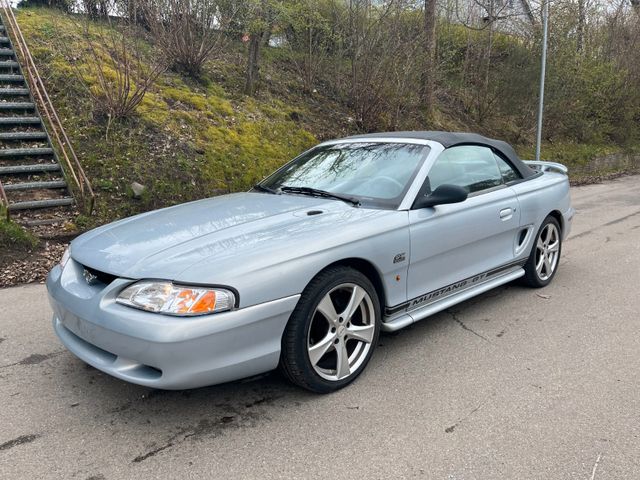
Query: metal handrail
<point x="41" y="96"/>
<point x="4" y="200"/>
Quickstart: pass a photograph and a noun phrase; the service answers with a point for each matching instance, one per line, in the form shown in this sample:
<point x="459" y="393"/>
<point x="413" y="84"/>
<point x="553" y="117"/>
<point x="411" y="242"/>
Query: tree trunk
<point x="354" y="53"/>
<point x="484" y="100"/>
<point x="104" y="8"/>
<point x="253" y="64"/>
<point x="582" y="20"/>
<point x="428" y="76"/>
<point x="91" y="8"/>
<point x="308" y="64"/>
<point x="527" y="11"/>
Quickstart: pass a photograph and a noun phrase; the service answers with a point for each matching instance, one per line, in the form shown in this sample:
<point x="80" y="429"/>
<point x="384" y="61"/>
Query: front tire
<point x="544" y="259"/>
<point x="332" y="332"/>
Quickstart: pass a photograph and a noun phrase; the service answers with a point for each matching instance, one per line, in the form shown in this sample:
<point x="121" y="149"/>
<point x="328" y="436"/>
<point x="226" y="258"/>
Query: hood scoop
<point x="304" y="213"/>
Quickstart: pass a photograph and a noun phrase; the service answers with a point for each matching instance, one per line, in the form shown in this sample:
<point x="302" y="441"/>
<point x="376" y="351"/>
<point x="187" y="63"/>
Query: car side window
<point x="509" y="174"/>
<point x="469" y="166"/>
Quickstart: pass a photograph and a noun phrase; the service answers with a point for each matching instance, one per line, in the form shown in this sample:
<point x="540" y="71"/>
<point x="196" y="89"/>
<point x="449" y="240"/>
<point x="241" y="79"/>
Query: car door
<point x="454" y="242"/>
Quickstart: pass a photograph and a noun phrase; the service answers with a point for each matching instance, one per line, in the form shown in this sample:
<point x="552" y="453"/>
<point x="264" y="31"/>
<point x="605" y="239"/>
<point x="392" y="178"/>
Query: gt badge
<point x="399" y="258"/>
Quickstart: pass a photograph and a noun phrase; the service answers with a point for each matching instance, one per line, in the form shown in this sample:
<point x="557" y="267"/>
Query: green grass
<point x="186" y="140"/>
<point x="14" y="237"/>
<point x="572" y="155"/>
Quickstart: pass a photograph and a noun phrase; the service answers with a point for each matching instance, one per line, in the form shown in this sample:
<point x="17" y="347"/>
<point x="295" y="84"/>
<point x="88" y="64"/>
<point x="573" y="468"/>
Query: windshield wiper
<point x="263" y="188"/>
<point x="315" y="192"/>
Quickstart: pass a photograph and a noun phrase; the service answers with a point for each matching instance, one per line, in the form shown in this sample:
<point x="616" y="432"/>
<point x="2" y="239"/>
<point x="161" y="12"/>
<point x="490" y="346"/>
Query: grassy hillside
<point x="192" y="139"/>
<point x="187" y="139"/>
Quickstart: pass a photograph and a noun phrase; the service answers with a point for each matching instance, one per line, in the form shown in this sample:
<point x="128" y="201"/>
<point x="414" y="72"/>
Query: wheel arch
<point x="366" y="268"/>
<point x="558" y="216"/>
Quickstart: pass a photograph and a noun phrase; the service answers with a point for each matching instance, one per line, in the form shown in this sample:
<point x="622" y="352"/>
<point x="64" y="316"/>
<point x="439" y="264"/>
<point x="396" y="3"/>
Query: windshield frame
<point x="367" y="202"/>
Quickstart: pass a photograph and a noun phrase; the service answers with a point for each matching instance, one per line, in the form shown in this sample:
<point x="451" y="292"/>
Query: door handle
<point x="506" y="213"/>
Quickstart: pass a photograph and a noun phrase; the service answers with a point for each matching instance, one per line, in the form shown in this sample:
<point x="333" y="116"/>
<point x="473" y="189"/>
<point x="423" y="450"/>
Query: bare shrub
<point x="188" y="32"/>
<point x="116" y="66"/>
<point x="308" y="36"/>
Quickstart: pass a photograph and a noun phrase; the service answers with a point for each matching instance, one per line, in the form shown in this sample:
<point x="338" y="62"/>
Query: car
<point x="355" y="236"/>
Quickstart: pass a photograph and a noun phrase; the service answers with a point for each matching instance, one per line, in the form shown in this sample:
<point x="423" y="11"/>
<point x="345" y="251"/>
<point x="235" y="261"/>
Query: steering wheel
<point x="389" y="180"/>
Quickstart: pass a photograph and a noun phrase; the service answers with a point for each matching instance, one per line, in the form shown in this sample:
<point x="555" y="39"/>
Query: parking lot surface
<point x="514" y="384"/>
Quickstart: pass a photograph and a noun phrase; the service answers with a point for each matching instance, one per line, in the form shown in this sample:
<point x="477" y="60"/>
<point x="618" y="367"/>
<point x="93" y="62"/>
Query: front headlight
<point x="65" y="257"/>
<point x="170" y="299"/>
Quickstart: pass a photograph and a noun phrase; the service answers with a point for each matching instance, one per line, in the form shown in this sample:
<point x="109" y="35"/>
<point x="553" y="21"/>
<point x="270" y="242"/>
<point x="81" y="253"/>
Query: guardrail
<point x="82" y="187"/>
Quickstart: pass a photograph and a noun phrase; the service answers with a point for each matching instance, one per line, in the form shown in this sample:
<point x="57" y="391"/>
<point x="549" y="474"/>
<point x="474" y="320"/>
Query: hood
<point x="216" y="234"/>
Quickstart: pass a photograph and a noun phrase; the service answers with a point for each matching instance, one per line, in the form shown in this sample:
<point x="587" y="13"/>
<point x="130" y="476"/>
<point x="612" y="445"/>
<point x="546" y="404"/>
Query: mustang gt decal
<point x="449" y="290"/>
<point x="445" y="291"/>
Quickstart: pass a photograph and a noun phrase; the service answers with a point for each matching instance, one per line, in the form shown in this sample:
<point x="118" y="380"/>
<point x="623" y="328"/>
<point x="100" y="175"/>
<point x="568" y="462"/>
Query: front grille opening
<point x="100" y="277"/>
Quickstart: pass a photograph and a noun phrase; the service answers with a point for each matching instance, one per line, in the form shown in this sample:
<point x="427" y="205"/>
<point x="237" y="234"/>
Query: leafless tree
<point x="308" y="35"/>
<point x="259" y="14"/>
<point x="96" y="8"/>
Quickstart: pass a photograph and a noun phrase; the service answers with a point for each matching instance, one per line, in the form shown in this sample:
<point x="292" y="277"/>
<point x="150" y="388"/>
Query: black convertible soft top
<point x="451" y="139"/>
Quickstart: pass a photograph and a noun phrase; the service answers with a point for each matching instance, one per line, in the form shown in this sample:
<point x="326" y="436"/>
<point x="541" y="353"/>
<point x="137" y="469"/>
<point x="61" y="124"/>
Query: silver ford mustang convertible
<point x="355" y="236"/>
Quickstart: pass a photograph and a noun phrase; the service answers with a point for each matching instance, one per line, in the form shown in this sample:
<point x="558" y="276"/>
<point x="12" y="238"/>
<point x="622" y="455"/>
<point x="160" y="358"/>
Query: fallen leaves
<point x="34" y="267"/>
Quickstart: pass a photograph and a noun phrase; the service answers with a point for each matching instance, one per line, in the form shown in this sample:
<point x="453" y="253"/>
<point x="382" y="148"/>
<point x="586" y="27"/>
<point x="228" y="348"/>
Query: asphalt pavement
<point x="514" y="384"/>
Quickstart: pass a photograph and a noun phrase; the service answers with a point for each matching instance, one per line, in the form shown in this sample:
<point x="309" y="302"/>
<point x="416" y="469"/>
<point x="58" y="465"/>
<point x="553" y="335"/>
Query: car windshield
<point x="375" y="174"/>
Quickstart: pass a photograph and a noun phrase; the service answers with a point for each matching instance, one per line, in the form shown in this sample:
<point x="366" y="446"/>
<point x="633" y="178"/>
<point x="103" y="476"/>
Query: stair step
<point x="54" y="202"/>
<point x="24" y="152"/>
<point x="7" y="77"/>
<point x="43" y="167"/>
<point x="2" y="28"/>
<point x="35" y="185"/>
<point x="19" y="120"/>
<point x="17" y="105"/>
<point x="14" y="91"/>
<point x="9" y="64"/>
<point x="6" y="51"/>
<point x="44" y="221"/>
<point x="23" y="136"/>
<point x="4" y="40"/>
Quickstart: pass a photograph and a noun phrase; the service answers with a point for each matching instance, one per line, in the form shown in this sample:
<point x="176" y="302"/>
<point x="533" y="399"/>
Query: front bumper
<point x="162" y="351"/>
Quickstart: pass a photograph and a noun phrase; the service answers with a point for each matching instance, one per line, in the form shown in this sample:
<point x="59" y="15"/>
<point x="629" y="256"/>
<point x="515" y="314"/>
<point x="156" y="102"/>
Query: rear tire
<point x="544" y="259"/>
<point x="332" y="332"/>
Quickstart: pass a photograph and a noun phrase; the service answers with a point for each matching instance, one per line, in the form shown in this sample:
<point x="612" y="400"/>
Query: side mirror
<point x="441" y="195"/>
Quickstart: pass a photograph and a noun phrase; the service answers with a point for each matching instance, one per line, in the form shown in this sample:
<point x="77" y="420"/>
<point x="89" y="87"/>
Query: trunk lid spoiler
<point x="540" y="166"/>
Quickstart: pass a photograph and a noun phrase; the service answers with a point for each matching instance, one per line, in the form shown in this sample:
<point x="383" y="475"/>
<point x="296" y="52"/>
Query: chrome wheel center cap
<point x="341" y="330"/>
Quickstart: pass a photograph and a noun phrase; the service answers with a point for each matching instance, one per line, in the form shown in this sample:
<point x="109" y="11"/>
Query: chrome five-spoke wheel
<point x="547" y="251"/>
<point x="341" y="332"/>
<point x="544" y="259"/>
<point x="332" y="332"/>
